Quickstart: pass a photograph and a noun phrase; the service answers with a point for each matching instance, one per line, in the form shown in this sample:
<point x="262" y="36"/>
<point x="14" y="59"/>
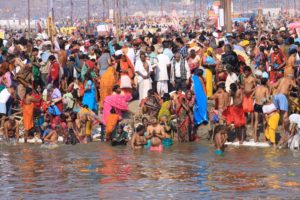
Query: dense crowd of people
<point x="68" y="85"/>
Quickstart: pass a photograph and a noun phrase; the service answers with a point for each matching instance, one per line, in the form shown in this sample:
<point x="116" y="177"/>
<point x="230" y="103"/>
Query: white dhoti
<point x="144" y="86"/>
<point x="162" y="87"/>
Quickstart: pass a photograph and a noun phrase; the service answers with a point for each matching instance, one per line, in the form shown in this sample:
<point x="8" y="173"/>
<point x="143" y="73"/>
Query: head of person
<point x="28" y="91"/>
<point x="88" y="76"/>
<point x="35" y="52"/>
<point x="264" y="81"/>
<point x="11" y="119"/>
<point x="166" y="97"/>
<point x="44" y="126"/>
<point x="145" y="121"/>
<point x="143" y="57"/>
<point x="199" y="72"/>
<point x="177" y="57"/>
<point x="117" y="89"/>
<point x="233" y="88"/>
<point x="160" y="50"/>
<point x="209" y="51"/>
<point x="193" y="53"/>
<point x="247" y="71"/>
<point x="163" y="119"/>
<point x="221" y="86"/>
<point x="123" y="58"/>
<point x="119" y="129"/>
<point x="51" y="58"/>
<point x="148" y="50"/>
<point x="140" y="129"/>
<point x="276" y="49"/>
<point x="189" y="94"/>
<point x="113" y="111"/>
<point x="150" y="92"/>
<point x="227" y="48"/>
<point x="50" y="89"/>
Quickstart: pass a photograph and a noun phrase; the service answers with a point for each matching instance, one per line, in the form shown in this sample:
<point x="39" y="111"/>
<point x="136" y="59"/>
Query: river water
<point x="184" y="171"/>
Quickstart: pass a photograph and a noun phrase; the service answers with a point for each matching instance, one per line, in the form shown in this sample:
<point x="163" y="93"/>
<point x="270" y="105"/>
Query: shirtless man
<point x="11" y="130"/>
<point x="156" y="133"/>
<point x="283" y="88"/>
<point x="261" y="94"/>
<point x="249" y="88"/>
<point x="138" y="139"/>
<point x="236" y="113"/>
<point x="52" y="137"/>
<point x="222" y="101"/>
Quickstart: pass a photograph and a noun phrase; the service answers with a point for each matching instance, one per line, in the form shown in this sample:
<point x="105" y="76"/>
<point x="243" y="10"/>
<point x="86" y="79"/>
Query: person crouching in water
<point x="119" y="136"/>
<point x="220" y="137"/>
<point x="138" y="139"/>
<point x="52" y="137"/>
<point x="272" y="117"/>
<point x="156" y="133"/>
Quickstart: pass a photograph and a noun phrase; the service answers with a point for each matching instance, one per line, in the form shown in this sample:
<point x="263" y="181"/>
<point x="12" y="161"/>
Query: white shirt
<point x="139" y="67"/>
<point x="161" y="73"/>
<point x="131" y="55"/>
<point x="231" y="78"/>
<point x="178" y="72"/>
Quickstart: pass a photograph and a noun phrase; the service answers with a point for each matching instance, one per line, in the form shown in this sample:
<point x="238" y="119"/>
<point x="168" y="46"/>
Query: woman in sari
<point x="193" y="60"/>
<point x="126" y="74"/>
<point x="184" y="113"/>
<point x="117" y="101"/>
<point x="107" y="83"/>
<point x="209" y="63"/>
<point x="89" y="97"/>
<point x="166" y="107"/>
<point x="200" y="108"/>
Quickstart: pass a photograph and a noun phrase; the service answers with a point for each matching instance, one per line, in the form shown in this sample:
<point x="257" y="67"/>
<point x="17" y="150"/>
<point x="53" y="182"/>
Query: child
<point x="220" y="137"/>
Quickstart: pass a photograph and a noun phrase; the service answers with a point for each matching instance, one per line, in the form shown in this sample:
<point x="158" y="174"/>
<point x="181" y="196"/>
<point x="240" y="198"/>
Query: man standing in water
<point x="249" y="88"/>
<point x="156" y="133"/>
<point x="261" y="94"/>
<point x="283" y="88"/>
<point x="234" y="114"/>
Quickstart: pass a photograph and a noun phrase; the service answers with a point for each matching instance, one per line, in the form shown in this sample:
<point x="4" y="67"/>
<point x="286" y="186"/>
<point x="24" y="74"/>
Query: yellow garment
<point x="209" y="83"/>
<point x="88" y="128"/>
<point x="165" y="110"/>
<point x="270" y="131"/>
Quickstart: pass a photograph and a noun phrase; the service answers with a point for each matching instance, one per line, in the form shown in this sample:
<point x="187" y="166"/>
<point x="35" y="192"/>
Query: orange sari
<point x="28" y="116"/>
<point x="107" y="83"/>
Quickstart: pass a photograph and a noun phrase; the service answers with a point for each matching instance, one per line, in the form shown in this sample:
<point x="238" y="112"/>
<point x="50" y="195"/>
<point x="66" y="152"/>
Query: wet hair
<point x="85" y="106"/>
<point x="293" y="51"/>
<point x="88" y="76"/>
<point x="140" y="128"/>
<point x="264" y="81"/>
<point x="222" y="86"/>
<point x="233" y="87"/>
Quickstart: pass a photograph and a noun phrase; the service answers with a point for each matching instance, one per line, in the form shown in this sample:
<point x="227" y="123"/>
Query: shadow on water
<point x="98" y="171"/>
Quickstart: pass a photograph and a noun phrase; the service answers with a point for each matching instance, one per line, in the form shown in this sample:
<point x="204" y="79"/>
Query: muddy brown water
<point x="184" y="171"/>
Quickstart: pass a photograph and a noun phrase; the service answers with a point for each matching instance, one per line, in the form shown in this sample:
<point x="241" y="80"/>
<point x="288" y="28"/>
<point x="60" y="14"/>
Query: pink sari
<point x="116" y="101"/>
